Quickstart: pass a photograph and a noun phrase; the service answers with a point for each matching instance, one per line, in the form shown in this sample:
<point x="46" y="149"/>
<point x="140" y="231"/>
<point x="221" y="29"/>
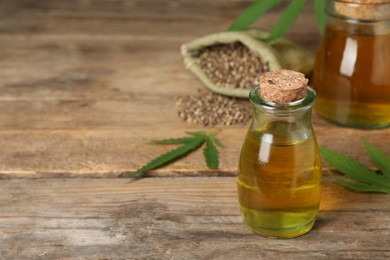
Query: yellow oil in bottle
<point x="279" y="185"/>
<point x="352" y="77"/>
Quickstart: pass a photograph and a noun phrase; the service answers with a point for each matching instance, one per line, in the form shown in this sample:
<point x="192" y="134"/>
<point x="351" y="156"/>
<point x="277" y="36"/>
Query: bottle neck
<point x="288" y="123"/>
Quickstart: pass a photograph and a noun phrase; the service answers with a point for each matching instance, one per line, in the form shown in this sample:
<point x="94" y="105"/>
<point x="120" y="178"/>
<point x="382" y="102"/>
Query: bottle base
<point x="280" y="223"/>
<point x="283" y="233"/>
<point x="352" y="125"/>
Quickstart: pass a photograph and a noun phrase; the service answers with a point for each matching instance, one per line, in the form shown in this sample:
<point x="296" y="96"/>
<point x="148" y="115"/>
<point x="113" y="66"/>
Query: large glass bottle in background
<point x="279" y="174"/>
<point x="352" y="72"/>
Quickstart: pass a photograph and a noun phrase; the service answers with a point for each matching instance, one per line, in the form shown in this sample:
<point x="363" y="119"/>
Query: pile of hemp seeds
<point x="227" y="65"/>
<point x="213" y="109"/>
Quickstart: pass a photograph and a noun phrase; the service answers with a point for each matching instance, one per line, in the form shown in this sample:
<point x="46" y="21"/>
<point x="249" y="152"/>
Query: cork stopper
<point x="364" y="9"/>
<point x="283" y="86"/>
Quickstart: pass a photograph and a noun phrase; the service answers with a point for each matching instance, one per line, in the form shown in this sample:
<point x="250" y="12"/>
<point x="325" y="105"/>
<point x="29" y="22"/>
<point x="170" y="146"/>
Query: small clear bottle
<point x="352" y="71"/>
<point x="279" y="173"/>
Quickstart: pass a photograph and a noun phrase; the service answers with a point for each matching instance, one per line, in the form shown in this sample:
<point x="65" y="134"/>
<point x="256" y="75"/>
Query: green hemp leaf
<point x="357" y="176"/>
<point x="191" y="143"/>
<point x="287" y="18"/>
<point x="252" y="13"/>
<point x="319" y="9"/>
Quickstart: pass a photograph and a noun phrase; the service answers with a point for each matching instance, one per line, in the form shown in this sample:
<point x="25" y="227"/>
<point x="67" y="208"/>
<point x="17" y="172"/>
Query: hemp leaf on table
<point x="286" y="20"/>
<point x="191" y="143"/>
<point x="361" y="178"/>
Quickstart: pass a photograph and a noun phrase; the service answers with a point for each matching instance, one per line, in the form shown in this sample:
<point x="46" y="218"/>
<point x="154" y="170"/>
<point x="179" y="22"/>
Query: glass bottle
<point x="279" y="174"/>
<point x="352" y="71"/>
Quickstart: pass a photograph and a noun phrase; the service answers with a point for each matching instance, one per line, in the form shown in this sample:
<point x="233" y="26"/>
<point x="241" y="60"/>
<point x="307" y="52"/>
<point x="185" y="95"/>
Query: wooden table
<point x="83" y="84"/>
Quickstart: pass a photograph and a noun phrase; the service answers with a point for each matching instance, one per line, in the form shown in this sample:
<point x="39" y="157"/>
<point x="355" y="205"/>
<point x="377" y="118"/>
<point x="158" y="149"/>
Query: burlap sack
<point x="279" y="54"/>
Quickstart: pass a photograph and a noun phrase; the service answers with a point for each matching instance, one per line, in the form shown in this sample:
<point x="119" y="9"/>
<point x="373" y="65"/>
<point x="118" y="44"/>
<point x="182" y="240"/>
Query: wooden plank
<point x="175" y="218"/>
<point x="151" y="19"/>
<point x="116" y="152"/>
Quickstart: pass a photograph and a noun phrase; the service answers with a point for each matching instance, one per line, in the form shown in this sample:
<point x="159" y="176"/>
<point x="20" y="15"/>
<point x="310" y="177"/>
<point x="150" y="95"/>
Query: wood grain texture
<point x="175" y="218"/>
<point x="84" y="83"/>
